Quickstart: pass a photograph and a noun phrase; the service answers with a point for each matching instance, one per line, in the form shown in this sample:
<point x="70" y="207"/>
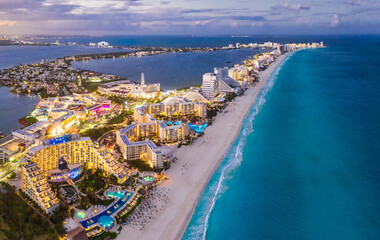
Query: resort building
<point x="210" y="85"/>
<point x="126" y="88"/>
<point x="148" y="126"/>
<point x="177" y="105"/>
<point x="77" y="153"/>
<point x="145" y="126"/>
<point x="34" y="184"/>
<point x="220" y="82"/>
<point x="144" y="150"/>
<point x="63" y="124"/>
<point x="195" y="95"/>
<point x="226" y="83"/>
<point x="14" y="145"/>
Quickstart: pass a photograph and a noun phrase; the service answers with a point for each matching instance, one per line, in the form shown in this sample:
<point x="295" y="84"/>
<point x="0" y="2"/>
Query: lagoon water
<point x="14" y="107"/>
<point x="306" y="164"/>
<point x="172" y="70"/>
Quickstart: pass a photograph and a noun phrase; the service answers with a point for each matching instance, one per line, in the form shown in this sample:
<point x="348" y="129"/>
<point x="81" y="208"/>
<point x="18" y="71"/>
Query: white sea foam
<point x="233" y="159"/>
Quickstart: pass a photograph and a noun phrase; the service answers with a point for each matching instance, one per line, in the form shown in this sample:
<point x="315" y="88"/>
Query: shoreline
<point x="190" y="175"/>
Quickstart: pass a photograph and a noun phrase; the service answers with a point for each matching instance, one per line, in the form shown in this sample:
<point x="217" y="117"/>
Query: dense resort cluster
<point x="88" y="159"/>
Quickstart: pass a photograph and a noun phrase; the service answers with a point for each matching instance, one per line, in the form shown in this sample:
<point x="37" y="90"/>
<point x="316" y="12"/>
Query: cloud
<point x="291" y="7"/>
<point x="353" y="2"/>
<point x="257" y="24"/>
<point x="183" y="16"/>
<point x="7" y="23"/>
<point x="296" y="7"/>
<point x="335" y="21"/>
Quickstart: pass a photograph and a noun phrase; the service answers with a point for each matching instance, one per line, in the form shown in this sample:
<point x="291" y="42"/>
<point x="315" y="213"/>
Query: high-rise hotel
<point x="34" y="184"/>
<point x="63" y="158"/>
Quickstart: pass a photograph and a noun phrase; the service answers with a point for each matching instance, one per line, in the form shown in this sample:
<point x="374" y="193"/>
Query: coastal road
<point x="8" y="168"/>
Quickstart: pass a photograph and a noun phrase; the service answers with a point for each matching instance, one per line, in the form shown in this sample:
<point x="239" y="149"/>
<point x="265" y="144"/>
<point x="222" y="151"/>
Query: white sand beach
<point x="190" y="174"/>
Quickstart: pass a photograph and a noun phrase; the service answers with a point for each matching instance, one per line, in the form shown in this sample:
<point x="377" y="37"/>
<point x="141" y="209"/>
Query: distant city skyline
<point x="129" y="17"/>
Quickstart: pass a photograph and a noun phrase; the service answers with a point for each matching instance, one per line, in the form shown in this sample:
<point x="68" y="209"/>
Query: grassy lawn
<point x="95" y="133"/>
<point x="92" y="86"/>
<point x="121" y="118"/>
<point x="28" y="120"/>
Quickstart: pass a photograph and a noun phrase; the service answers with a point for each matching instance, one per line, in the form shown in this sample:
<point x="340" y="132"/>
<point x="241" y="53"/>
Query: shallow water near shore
<point x="306" y="163"/>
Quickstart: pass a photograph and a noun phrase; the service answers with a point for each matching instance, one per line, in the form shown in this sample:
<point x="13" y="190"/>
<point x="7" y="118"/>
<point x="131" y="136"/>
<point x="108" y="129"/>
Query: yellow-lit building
<point x="35" y="185"/>
<point x="78" y="153"/>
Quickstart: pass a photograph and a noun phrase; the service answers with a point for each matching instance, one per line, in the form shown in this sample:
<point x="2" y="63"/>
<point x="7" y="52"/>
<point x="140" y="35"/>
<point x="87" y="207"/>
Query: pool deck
<point x="113" y="209"/>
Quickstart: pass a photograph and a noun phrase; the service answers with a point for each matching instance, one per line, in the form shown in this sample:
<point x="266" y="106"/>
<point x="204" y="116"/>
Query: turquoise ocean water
<point x="306" y="164"/>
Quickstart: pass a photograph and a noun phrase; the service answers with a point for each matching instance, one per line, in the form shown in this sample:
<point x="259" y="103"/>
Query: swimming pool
<point x="175" y="123"/>
<point x="117" y="194"/>
<point x="106" y="222"/>
<point x="112" y="209"/>
<point x="148" y="178"/>
<point x="81" y="215"/>
<point x="198" y="128"/>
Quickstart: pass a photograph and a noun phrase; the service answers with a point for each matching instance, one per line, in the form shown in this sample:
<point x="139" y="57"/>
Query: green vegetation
<point x="95" y="133"/>
<point x="84" y="203"/>
<point x="11" y="175"/>
<point x="183" y="144"/>
<point x="115" y="99"/>
<point x="92" y="86"/>
<point x="58" y="216"/>
<point x="93" y="181"/>
<point x="212" y="112"/>
<point x="95" y="200"/>
<point x="28" y="120"/>
<point x="230" y="96"/>
<point x="121" y="118"/>
<point x="72" y="210"/>
<point x="25" y="222"/>
<point x="140" y="165"/>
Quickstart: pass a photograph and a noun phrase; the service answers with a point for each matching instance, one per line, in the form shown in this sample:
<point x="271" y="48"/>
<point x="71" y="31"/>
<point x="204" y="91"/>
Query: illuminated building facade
<point x="35" y="185"/>
<point x="78" y="153"/>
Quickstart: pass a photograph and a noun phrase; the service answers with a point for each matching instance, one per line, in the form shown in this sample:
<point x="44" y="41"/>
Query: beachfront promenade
<point x="196" y="164"/>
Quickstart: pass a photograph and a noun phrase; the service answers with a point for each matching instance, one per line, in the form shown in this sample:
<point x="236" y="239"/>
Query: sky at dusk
<point x="133" y="17"/>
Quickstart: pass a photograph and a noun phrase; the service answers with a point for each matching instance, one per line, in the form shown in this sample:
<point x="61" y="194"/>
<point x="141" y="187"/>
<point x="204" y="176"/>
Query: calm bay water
<point x="306" y="163"/>
<point x="172" y="70"/>
<point x="14" y="107"/>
